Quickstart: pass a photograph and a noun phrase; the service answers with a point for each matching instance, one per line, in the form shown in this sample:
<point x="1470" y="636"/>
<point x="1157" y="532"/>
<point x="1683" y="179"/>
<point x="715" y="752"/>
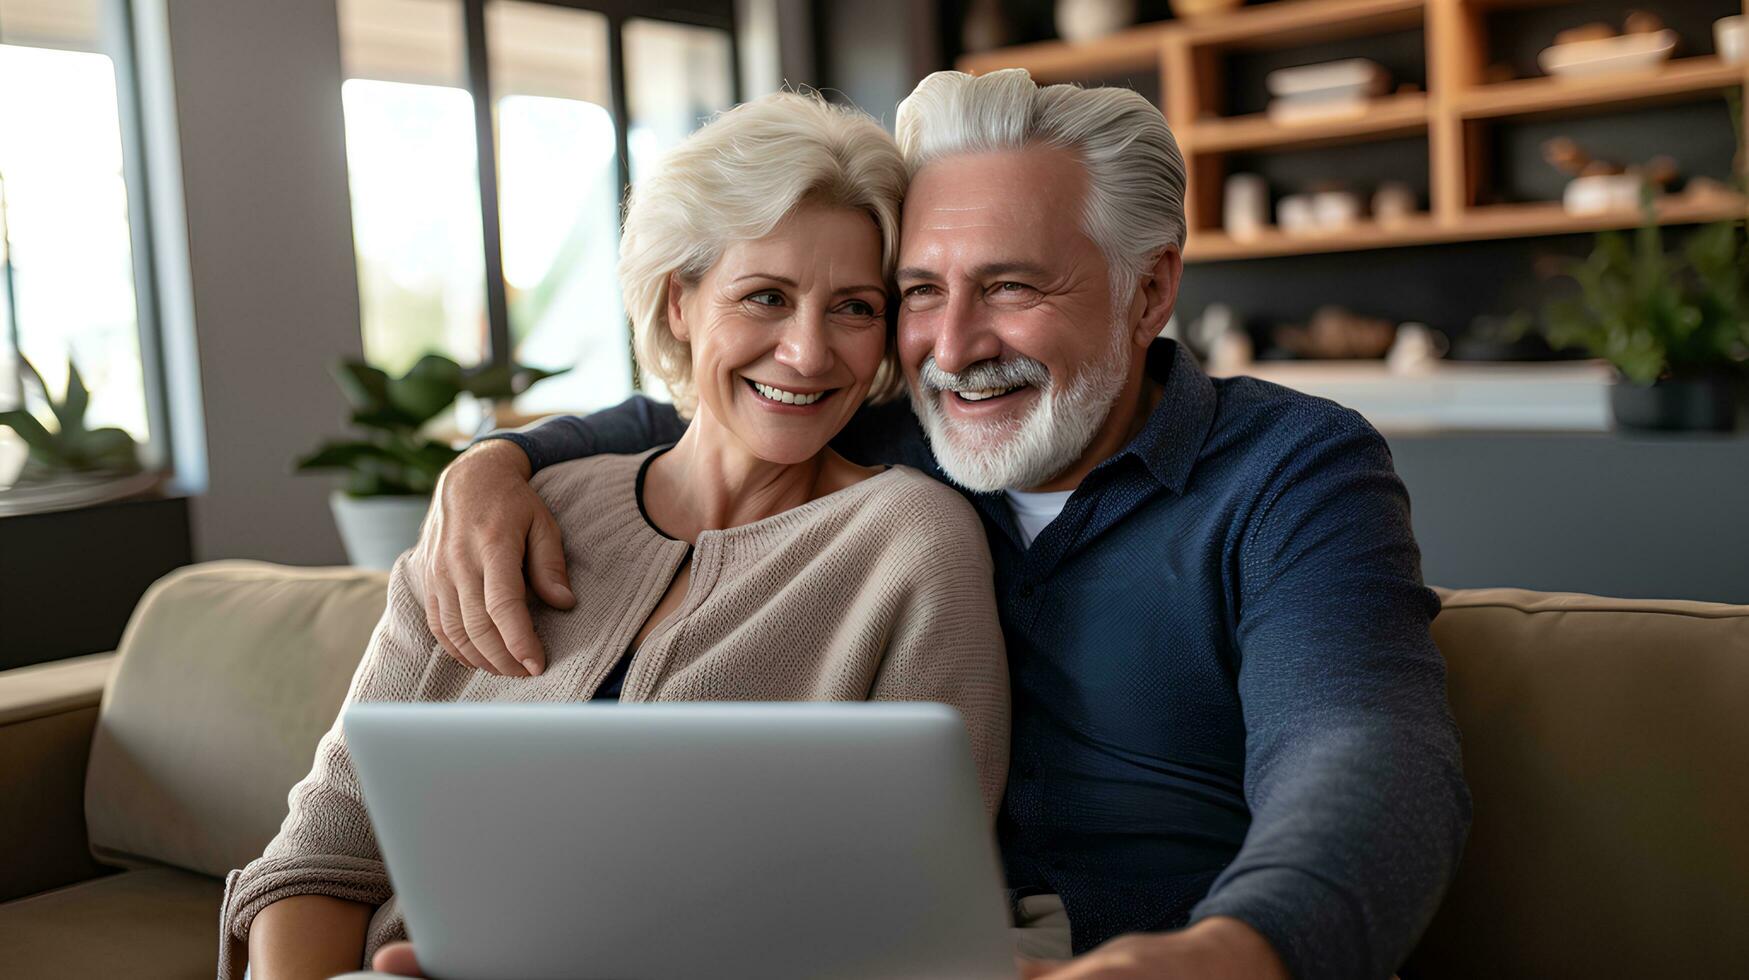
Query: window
<point x="415" y="182"/>
<point x="511" y="253"/>
<point x="676" y="76"/>
<point x="558" y="199"/>
<point x="66" y="237"/>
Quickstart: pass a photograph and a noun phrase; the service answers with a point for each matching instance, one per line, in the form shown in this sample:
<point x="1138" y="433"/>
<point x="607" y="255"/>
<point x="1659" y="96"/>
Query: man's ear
<point x="1158" y="291"/>
<point x="677" y="324"/>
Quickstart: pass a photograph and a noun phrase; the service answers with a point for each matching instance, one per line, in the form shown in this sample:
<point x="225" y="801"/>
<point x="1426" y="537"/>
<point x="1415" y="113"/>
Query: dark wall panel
<point x="69" y="580"/>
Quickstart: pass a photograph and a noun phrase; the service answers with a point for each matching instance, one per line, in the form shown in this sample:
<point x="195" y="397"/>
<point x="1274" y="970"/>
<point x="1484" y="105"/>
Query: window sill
<point x="75" y="493"/>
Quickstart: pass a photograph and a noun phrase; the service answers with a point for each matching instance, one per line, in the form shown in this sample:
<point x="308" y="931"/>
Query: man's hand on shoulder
<point x="1217" y="948"/>
<point x="486" y="525"/>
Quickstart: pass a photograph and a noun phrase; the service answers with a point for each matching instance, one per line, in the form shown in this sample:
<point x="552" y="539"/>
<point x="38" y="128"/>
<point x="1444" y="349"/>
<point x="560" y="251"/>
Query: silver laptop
<point x="645" y="842"/>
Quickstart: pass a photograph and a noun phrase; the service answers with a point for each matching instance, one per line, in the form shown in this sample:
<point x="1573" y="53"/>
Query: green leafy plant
<point x="1653" y="314"/>
<point x="70" y="447"/>
<point x="393" y="456"/>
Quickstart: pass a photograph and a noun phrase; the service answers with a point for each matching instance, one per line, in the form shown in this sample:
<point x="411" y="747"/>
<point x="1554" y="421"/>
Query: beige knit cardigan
<point x="879" y="591"/>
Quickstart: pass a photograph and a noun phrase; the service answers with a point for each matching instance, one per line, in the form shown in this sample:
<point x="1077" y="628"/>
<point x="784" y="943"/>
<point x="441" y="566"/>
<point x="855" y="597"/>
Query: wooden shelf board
<point x="1215" y="246"/>
<point x="1392" y="115"/>
<point x="1280" y="24"/>
<point x="1478" y="224"/>
<point x="1297" y="23"/>
<point x="1534" y="96"/>
<point x="1522" y="220"/>
<point x="1487" y="5"/>
<point x="1137" y="47"/>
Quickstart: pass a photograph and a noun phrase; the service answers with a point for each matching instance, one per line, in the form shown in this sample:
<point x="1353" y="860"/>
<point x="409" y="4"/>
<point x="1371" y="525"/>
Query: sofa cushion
<point x="153" y="923"/>
<point x="227" y="676"/>
<point x="1606" y="743"/>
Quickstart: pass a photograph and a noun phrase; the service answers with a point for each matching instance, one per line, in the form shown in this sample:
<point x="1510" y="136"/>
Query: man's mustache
<point x="1012" y="373"/>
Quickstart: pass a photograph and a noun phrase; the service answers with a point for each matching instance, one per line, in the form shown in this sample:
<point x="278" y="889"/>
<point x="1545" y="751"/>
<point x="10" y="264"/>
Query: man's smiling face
<point x="1007" y="333"/>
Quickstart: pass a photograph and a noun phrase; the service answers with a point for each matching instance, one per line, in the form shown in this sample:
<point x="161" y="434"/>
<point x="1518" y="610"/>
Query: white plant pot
<point x="375" y="530"/>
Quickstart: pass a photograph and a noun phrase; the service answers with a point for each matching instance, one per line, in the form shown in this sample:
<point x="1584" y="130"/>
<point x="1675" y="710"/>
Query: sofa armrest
<point x="47" y="715"/>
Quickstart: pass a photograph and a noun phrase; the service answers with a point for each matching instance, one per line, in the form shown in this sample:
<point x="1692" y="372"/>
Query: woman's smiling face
<point x="787" y="331"/>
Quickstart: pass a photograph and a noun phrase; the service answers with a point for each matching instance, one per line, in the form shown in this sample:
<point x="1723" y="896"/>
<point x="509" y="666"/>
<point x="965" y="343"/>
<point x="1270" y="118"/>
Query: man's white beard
<point x="1008" y="454"/>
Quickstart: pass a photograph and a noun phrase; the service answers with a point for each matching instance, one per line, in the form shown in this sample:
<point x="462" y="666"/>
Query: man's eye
<point x="768" y="297"/>
<point x="921" y="290"/>
<point x="1011" y="292"/>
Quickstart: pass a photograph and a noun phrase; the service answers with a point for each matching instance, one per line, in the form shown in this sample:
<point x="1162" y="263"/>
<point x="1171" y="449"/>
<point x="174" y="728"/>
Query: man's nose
<point x="802" y="346"/>
<point x="965" y="337"/>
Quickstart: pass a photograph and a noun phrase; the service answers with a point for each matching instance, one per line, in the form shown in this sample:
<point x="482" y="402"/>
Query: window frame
<point x="159" y="449"/>
<point x="716" y="14"/>
<point x="117" y="42"/>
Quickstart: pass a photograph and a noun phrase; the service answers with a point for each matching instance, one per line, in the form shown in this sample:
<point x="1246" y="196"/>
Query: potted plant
<point x="1676" y="327"/>
<point x="70" y="464"/>
<point x="392" y="466"/>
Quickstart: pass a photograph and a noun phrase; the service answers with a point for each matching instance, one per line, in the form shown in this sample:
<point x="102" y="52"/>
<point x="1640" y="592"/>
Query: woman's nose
<point x="802" y="348"/>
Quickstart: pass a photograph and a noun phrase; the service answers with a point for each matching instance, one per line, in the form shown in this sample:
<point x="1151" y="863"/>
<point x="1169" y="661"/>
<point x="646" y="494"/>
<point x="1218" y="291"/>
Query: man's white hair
<point x="1135" y="173"/>
<point x="736" y="179"/>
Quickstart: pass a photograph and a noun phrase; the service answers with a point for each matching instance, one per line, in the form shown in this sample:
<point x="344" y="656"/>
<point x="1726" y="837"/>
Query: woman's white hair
<point x="736" y="179"/>
<point x="1135" y="173"/>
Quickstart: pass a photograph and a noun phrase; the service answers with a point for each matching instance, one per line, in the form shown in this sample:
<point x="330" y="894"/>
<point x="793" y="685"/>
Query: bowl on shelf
<point x="1192" y="9"/>
<point x="1602" y="194"/>
<point x="1608" y="55"/>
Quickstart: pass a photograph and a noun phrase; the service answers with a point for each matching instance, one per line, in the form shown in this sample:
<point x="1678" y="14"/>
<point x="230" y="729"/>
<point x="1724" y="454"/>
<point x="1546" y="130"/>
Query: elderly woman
<point x="746" y="562"/>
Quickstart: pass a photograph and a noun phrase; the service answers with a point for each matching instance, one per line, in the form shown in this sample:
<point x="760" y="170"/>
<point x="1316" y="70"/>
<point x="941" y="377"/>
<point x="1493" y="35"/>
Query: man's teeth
<point x="984" y="393"/>
<point x="787" y="397"/>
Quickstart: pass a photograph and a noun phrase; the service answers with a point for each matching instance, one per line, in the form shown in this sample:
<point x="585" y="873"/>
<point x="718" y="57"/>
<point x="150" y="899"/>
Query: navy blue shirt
<point x="1226" y="698"/>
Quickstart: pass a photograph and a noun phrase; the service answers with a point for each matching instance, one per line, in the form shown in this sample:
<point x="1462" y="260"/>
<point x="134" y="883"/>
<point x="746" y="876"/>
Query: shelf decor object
<point x="1089" y="20"/>
<point x="1331" y="90"/>
<point x="1728" y="36"/>
<point x="1245" y="210"/>
<point x="1451" y="115"/>
<point x="1608" y="55"/>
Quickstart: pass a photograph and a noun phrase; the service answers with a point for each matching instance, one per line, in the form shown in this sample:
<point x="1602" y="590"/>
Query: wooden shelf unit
<point x="1186" y="55"/>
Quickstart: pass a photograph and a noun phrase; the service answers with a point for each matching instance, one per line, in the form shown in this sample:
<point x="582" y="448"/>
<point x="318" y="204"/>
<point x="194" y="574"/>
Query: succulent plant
<point x="393" y="456"/>
<point x="70" y="447"/>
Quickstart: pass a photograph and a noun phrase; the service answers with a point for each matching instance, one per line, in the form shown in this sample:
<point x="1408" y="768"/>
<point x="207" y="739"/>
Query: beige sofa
<point x="1606" y="743"/>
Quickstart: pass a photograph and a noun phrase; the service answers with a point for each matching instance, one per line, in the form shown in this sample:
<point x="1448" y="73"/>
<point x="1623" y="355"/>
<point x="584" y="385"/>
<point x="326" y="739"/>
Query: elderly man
<point x="1232" y="754"/>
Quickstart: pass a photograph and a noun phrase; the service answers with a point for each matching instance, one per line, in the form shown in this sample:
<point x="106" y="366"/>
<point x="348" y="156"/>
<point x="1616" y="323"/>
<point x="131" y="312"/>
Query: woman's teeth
<point x="985" y="393"/>
<point x="787" y="397"/>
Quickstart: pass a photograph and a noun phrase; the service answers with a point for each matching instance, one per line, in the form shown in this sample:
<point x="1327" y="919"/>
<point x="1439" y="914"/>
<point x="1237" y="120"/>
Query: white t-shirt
<point x="1032" y="511"/>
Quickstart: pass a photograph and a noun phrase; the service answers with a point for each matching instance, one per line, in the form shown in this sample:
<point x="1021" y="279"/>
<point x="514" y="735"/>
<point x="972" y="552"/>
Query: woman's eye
<point x="857" y="307"/>
<point x="769" y="297"/>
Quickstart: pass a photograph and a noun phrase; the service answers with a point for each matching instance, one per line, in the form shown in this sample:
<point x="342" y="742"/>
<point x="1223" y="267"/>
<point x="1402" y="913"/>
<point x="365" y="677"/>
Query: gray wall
<point x="1647" y="517"/>
<point x="873" y="54"/>
<point x="245" y="141"/>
